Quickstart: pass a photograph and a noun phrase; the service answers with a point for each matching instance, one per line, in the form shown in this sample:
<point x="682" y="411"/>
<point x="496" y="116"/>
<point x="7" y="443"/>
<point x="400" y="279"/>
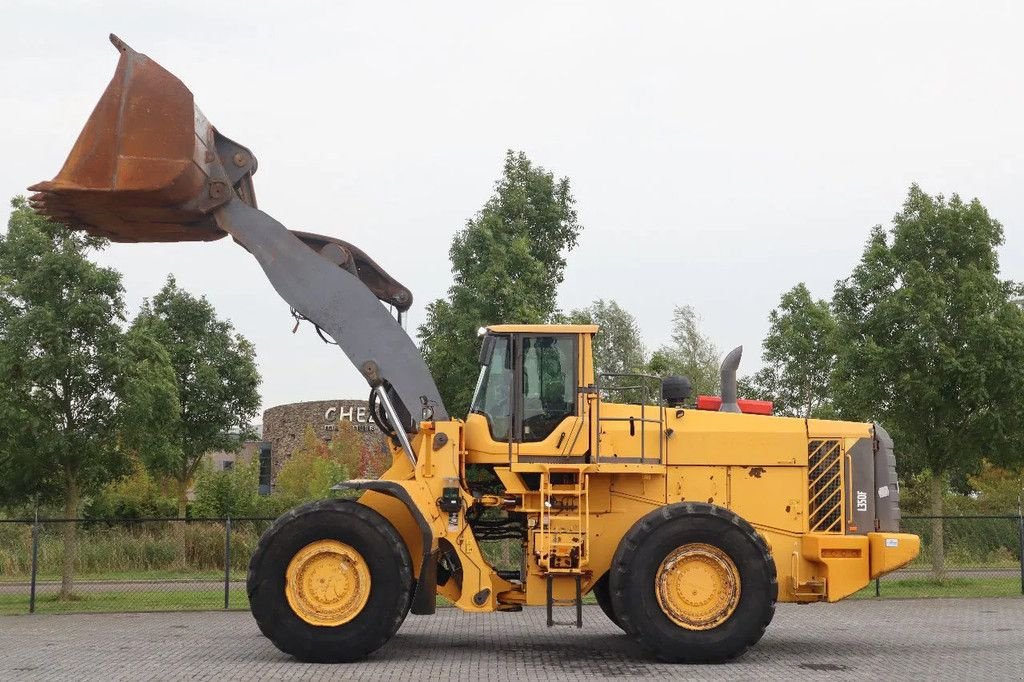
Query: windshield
<point x="493" y="390"/>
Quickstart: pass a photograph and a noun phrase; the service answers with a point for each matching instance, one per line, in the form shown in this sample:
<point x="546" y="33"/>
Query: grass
<point x="141" y="575"/>
<point x="908" y="588"/>
<point x="97" y="602"/>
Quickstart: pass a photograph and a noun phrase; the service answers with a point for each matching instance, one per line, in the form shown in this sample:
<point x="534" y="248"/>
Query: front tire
<point x="694" y="583"/>
<point x="330" y="582"/>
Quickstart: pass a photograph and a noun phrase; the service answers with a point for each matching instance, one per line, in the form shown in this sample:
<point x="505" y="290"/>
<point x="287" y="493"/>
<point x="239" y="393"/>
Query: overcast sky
<point x="719" y="155"/>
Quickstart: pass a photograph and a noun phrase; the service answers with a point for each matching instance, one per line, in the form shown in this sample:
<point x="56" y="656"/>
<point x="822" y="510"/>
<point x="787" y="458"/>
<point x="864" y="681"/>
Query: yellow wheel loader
<point x="687" y="518"/>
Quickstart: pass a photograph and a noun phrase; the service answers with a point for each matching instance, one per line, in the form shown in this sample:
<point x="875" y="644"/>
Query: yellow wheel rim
<point x="698" y="586"/>
<point x="327" y="583"/>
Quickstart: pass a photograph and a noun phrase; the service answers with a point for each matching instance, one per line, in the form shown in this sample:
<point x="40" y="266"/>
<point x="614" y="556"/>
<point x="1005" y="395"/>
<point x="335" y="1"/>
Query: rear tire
<point x="373" y="541"/>
<point x="694" y="583"/>
<point x="603" y="595"/>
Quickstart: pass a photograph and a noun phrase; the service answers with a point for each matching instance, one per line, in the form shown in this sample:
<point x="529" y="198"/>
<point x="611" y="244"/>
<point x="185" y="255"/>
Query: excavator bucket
<point x="149" y="167"/>
<point x="143" y="168"/>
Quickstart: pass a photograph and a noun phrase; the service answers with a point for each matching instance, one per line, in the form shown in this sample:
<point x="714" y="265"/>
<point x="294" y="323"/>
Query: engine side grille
<point x="825" y="492"/>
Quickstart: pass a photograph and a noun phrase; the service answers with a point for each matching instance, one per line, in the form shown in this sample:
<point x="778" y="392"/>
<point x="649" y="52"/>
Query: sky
<point x="719" y="153"/>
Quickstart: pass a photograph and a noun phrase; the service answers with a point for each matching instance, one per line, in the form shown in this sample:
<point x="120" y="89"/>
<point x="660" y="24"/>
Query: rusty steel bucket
<point x="146" y="166"/>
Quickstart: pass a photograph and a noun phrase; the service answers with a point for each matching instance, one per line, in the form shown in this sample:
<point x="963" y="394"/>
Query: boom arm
<point x="341" y="304"/>
<point x="148" y="166"/>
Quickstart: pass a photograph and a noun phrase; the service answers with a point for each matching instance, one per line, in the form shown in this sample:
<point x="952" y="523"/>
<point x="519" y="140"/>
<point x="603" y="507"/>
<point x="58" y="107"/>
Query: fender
<point x="424" y="602"/>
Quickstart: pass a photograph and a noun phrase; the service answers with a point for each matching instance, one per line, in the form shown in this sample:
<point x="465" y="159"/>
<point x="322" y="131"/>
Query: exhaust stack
<point x="728" y="374"/>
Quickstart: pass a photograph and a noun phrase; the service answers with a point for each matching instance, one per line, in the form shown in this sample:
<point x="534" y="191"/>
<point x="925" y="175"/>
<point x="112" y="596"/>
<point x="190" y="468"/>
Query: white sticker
<point x="883" y="491"/>
<point x="892" y="542"/>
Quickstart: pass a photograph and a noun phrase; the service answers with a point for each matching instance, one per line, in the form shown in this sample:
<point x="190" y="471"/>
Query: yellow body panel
<point x="486" y="449"/>
<point x="424" y="484"/>
<point x="703" y="437"/>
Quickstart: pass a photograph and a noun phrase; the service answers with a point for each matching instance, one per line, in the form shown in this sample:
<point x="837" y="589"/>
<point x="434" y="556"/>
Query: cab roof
<point x="542" y="328"/>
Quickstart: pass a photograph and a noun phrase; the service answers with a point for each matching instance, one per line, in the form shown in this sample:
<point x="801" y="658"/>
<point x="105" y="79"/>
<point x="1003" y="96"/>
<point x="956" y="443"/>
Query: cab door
<point x="549" y="414"/>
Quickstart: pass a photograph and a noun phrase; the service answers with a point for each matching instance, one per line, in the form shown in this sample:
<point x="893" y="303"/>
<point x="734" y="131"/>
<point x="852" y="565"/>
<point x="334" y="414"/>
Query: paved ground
<point x="862" y="640"/>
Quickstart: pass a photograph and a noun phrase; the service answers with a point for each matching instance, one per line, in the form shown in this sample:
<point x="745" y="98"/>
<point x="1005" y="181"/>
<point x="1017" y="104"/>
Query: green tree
<point x="932" y="344"/>
<point x="150" y="414"/>
<point x="799" y="355"/>
<point x="362" y="459"/>
<point x="227" y="492"/>
<point x="135" y="496"/>
<point x="71" y="403"/>
<point x="691" y="353"/>
<point x="311" y="470"/>
<point x="998" y="490"/>
<point x="618" y="347"/>
<point x="507" y="263"/>
<point x="216" y="378"/>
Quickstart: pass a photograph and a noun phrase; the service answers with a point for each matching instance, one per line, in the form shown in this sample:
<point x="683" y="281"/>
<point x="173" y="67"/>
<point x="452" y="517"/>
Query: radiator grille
<point x="824" y="477"/>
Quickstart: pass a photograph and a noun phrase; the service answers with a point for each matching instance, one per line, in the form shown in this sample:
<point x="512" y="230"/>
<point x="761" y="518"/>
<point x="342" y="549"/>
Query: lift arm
<point x="148" y="166"/>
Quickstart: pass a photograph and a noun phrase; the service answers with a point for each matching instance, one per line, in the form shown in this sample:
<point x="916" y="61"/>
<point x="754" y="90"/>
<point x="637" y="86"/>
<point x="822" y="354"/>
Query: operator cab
<point x="527" y="399"/>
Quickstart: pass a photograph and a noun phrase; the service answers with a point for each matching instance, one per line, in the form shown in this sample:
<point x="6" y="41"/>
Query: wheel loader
<point x="687" y="518"/>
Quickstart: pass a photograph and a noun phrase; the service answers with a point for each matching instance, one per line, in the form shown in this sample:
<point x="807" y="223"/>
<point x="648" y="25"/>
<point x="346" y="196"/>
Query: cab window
<point x="548" y="388"/>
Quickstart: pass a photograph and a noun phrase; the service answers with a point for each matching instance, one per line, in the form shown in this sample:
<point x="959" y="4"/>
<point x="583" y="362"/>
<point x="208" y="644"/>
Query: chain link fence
<point x="981" y="557"/>
<point x="198" y="564"/>
<point x="126" y="564"/>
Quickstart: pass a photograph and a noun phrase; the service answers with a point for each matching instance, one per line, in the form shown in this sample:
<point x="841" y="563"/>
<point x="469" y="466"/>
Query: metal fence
<point x="982" y="558"/>
<point x="126" y="564"/>
<point x="198" y="564"/>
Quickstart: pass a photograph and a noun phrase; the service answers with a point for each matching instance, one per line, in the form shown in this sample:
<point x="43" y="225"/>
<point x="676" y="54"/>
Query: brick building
<point x="285" y="425"/>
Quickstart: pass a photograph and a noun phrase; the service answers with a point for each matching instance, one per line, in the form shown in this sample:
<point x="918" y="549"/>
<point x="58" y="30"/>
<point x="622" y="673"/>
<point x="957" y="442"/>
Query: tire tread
<point x="309" y="651"/>
<point x="631" y="543"/>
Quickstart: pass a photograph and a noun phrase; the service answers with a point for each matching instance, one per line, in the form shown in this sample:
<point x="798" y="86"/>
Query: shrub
<point x="134" y="497"/>
<point x="228" y="492"/>
<point x="311" y="471"/>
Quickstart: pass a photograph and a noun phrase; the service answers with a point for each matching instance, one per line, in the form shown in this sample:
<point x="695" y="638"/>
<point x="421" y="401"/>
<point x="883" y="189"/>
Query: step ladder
<point x="577" y="602"/>
<point x="562" y="546"/>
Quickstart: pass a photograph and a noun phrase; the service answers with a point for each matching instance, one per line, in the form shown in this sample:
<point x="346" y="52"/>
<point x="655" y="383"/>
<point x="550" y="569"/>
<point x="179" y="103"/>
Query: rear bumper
<point x="843" y="564"/>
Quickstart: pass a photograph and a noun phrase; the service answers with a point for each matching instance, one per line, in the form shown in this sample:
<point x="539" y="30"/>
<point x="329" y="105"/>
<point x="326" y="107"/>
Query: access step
<point x="577" y="602"/>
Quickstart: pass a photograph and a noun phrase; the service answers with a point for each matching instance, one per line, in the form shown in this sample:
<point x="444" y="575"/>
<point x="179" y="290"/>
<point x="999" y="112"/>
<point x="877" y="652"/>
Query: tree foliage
<point x="507" y="263"/>
<point x="997" y="490"/>
<point x="228" y="492"/>
<point x="691" y="353"/>
<point x="150" y="415"/>
<point x="313" y="468"/>
<point x="72" y="403"/>
<point x="932" y="344"/>
<point x="799" y="355"/>
<point x="348" y="447"/>
<point x="360" y="458"/>
<point x="215" y="375"/>
<point x="137" y="495"/>
<point x="618" y="347"/>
